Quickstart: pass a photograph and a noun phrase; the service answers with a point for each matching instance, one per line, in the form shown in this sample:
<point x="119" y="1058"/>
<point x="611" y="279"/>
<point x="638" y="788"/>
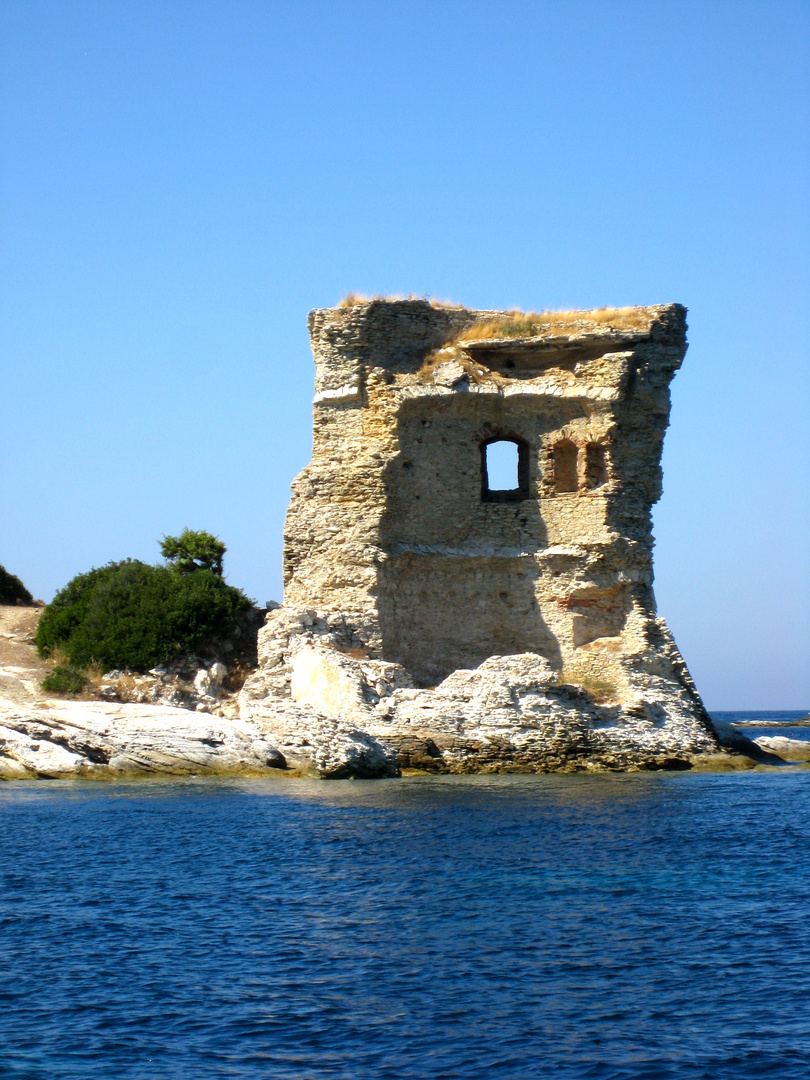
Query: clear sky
<point x="182" y="181"/>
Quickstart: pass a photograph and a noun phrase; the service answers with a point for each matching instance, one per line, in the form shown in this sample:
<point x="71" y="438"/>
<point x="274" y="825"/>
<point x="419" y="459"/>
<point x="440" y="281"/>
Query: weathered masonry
<point x="397" y="523"/>
<point x="471" y="543"/>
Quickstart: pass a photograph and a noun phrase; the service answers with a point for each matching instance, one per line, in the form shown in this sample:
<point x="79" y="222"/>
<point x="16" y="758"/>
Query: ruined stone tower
<point x="407" y="559"/>
<point x="394" y="521"/>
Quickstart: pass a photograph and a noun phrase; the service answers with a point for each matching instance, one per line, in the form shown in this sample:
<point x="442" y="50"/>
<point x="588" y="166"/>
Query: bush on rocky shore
<point x="65" y="680"/>
<point x="134" y="616"/>
<point x="12" y="590"/>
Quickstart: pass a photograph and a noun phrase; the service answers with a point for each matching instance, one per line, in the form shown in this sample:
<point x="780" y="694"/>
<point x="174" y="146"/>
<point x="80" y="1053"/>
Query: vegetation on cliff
<point x="12" y="590"/>
<point x="132" y="615"/>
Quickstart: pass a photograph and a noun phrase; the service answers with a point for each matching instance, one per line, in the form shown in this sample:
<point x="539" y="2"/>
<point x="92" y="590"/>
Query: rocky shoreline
<point x="258" y="731"/>
<point x="96" y="740"/>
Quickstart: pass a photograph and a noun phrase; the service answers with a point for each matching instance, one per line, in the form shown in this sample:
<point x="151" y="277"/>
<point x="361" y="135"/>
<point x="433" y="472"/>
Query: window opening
<point x="565" y="466"/>
<point x="504" y="470"/>
<point x="596" y="472"/>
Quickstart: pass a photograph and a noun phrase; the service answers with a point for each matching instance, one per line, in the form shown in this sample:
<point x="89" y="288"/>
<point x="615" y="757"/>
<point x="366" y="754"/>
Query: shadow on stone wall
<point x="458" y="584"/>
<point x="440" y="613"/>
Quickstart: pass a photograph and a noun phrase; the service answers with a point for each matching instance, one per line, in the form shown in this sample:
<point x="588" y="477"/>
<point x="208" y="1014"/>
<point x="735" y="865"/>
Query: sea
<point x="610" y="926"/>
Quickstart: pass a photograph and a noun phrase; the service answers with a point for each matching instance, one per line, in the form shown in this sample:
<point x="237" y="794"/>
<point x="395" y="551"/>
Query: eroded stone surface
<point x="510" y="713"/>
<point x="464" y="625"/>
<point x="785" y="748"/>
<point x="58" y="739"/>
<point x="46" y="737"/>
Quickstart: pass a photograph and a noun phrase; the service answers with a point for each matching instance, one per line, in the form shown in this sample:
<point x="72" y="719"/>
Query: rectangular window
<point x="504" y="470"/>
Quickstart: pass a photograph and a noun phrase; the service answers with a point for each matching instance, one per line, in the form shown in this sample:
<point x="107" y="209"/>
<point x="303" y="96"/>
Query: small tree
<point x="193" y="551"/>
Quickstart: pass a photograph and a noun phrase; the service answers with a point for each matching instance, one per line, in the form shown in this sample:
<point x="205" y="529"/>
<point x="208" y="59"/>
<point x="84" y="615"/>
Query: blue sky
<point x="181" y="182"/>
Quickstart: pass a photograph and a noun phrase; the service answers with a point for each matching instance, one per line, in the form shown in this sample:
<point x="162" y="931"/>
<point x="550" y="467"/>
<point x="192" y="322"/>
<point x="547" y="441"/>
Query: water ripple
<point x="607" y="927"/>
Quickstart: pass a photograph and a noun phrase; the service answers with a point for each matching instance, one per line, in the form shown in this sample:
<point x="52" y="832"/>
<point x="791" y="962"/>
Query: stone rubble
<point x="189" y="683"/>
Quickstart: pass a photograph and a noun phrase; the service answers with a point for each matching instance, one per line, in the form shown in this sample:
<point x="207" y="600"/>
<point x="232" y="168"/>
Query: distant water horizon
<point x="647" y="926"/>
<point x="782" y="716"/>
<point x="756" y="722"/>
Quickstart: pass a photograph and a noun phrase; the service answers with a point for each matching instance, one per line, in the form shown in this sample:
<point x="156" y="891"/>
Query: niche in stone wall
<point x="596" y="466"/>
<point x="565" y="467"/>
<point x="504" y="470"/>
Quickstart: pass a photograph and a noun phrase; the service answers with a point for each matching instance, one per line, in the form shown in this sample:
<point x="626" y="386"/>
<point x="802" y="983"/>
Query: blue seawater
<point x="608" y="926"/>
<point x="773" y="723"/>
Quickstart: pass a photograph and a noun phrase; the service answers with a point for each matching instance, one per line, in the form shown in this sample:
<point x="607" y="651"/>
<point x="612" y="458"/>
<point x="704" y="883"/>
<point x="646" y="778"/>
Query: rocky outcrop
<point x="785" y="748"/>
<point x="511" y="713"/>
<point x="59" y="739"/>
<point x="324" y="746"/>
<point x="177" y="720"/>
<point x="736" y="742"/>
<point x="47" y="737"/>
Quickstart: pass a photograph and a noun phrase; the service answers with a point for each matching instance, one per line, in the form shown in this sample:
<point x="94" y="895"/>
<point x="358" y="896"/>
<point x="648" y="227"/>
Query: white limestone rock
<point x="202" y="682"/>
<point x="59" y="739"/>
<point x="328" y="682"/>
<point x="785" y="748"/>
<point x="510" y="713"/>
<point x="317" y="744"/>
<point x="217" y="673"/>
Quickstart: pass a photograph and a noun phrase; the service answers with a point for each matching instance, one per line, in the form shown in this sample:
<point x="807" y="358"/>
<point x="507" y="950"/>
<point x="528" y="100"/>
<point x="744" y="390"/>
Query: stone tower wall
<point x="391" y="525"/>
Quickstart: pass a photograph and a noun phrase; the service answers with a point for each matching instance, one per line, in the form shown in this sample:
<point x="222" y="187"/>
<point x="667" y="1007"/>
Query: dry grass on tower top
<point x="515" y="324"/>
<point x="353" y="299"/>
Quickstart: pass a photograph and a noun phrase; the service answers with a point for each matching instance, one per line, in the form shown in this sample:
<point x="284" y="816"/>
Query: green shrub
<point x="65" y="679"/>
<point x="132" y="615"/>
<point x="12" y="590"/>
